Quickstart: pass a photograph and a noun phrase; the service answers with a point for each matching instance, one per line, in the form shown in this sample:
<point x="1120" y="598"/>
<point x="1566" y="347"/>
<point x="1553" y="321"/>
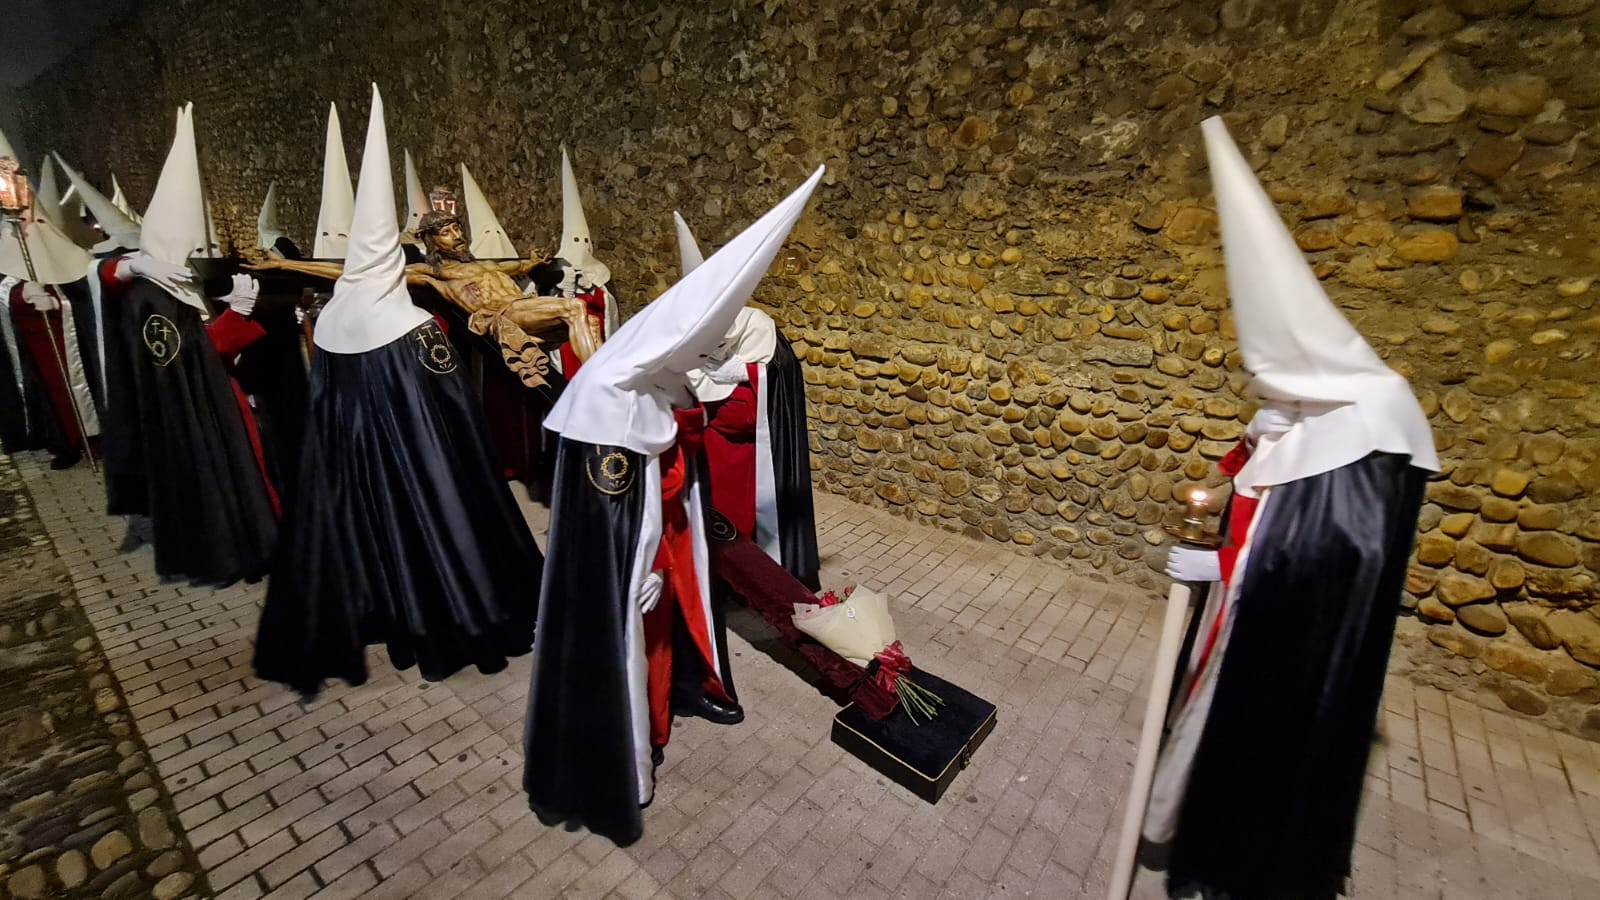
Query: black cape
<point x="401" y="532"/>
<point x="272" y="373"/>
<point x="791" y="465"/>
<point x="121" y="429"/>
<point x="210" y="513"/>
<point x="581" y="759"/>
<point x="1270" y="807"/>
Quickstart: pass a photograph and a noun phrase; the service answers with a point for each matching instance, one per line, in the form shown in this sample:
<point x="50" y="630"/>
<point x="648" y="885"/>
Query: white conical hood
<point x="175" y="224"/>
<point x="120" y="200"/>
<point x="416" y="197"/>
<point x="487" y="239"/>
<point x="752" y="339"/>
<point x="624" y="394"/>
<point x="268" y="228"/>
<point x="120" y="230"/>
<point x="370" y="305"/>
<point x="49" y="194"/>
<point x="56" y="258"/>
<point x="338" y="197"/>
<point x="1300" y="350"/>
<point x="689" y="255"/>
<point x="577" y="248"/>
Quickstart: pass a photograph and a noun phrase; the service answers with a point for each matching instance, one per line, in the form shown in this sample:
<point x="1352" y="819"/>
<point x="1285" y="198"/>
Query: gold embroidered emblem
<point x="433" y="350"/>
<point x="610" y="472"/>
<point x="162" y="339"/>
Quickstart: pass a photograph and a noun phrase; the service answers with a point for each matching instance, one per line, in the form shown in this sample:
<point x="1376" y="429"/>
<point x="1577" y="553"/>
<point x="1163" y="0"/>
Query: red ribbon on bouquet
<point x="892" y="663"/>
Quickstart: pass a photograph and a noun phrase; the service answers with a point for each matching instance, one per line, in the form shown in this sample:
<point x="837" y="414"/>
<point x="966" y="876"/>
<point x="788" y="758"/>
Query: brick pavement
<point x="405" y="789"/>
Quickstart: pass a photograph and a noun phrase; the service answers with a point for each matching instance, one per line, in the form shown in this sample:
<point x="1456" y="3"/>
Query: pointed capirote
<point x="268" y="227"/>
<point x="487" y="239"/>
<point x="370" y="306"/>
<point x="1299" y="348"/>
<point x="416" y="197"/>
<point x="121" y="231"/>
<point x="577" y="247"/>
<point x="689" y="255"/>
<point x="624" y="394"/>
<point x="338" y="196"/>
<point x="174" y="228"/>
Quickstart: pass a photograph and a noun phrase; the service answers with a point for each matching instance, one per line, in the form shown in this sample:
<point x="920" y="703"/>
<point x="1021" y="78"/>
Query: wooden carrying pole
<point x="1144" y="766"/>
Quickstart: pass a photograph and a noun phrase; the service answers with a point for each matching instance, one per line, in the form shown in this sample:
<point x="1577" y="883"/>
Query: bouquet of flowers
<point x="857" y="626"/>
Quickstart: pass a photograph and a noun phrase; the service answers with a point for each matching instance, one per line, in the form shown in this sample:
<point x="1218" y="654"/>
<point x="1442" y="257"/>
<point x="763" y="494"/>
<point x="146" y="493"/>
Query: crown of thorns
<point x="433" y="221"/>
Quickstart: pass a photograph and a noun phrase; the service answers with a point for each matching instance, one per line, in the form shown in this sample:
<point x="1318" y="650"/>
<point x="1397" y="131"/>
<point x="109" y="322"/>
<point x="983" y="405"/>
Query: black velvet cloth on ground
<point x="772" y="592"/>
<point x="1270" y="809"/>
<point x="401" y="532"/>
<point x="578" y="738"/>
<point x="210" y="514"/>
<point x="791" y="465"/>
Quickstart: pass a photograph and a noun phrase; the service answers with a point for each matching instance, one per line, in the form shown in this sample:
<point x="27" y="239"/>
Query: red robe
<point x="731" y="451"/>
<point x="594" y="301"/>
<point x="35" y="332"/>
<point x="680" y="590"/>
<point x="1241" y="514"/>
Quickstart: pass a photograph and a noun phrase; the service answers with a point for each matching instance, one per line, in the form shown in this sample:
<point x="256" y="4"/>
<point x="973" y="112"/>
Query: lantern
<point x="16" y="195"/>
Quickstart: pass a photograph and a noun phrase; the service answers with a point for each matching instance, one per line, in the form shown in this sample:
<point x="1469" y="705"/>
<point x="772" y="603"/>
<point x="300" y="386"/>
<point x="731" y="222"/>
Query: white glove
<point x="299" y="315"/>
<point x="1270" y="420"/>
<point x="650" y="592"/>
<point x="39" y="298"/>
<point x="242" y="299"/>
<point x="732" y="371"/>
<point x="1193" y="566"/>
<point x="147" y="266"/>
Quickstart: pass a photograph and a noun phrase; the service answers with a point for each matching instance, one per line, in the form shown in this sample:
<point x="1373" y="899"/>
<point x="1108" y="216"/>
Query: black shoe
<point x="711" y="710"/>
<point x="658" y="755"/>
<point x="66" y="459"/>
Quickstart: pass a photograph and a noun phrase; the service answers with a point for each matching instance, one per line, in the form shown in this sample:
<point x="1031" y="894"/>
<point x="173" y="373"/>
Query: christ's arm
<point x="519" y="267"/>
<point x="328" y="270"/>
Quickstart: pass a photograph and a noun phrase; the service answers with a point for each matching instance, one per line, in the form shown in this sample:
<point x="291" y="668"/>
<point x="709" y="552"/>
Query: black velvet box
<point x="924" y="756"/>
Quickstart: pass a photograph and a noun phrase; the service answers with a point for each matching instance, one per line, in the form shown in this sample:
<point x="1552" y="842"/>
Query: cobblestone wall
<point x="1010" y="291"/>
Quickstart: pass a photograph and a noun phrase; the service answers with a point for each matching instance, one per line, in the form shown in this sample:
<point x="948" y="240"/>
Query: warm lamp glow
<point x="1198" y="497"/>
<point x="16" y="195"/>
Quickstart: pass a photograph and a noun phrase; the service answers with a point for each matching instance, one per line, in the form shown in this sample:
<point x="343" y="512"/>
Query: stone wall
<point x="1010" y="291"/>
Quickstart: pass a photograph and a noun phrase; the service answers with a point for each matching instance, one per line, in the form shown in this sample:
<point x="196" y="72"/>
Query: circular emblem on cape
<point x="162" y="339"/>
<point x="720" y="529"/>
<point x="610" y="471"/>
<point x="433" y="350"/>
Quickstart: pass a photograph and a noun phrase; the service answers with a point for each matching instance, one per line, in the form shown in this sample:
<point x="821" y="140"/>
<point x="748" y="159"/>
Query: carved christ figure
<point x="484" y="289"/>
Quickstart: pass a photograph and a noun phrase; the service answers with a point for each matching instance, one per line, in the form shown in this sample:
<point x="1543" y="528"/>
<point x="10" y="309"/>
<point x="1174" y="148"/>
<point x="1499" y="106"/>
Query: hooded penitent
<point x="121" y="231"/>
<point x="576" y="247"/>
<point x="488" y="240"/>
<point x="338" y="197"/>
<point x="178" y="444"/>
<point x="1261" y="776"/>
<point x="268" y="228"/>
<point x="416" y="197"/>
<point x="408" y="536"/>
<point x="757" y="441"/>
<point x="593" y="715"/>
<point x="174" y="229"/>
<point x="58" y="263"/>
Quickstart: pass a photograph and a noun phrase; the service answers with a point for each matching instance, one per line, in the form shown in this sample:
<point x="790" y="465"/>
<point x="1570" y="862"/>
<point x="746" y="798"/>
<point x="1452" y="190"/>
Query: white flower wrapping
<point x="856" y="628"/>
